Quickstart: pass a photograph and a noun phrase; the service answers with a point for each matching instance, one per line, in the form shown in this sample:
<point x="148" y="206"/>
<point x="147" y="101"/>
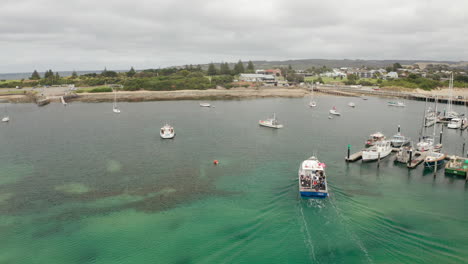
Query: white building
<point x="393" y="75"/>
<point x="253" y="77"/>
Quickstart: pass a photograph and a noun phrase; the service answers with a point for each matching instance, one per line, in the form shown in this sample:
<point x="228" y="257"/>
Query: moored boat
<point x="205" y="105"/>
<point x="455" y="123"/>
<point x="374" y="138"/>
<point x="434" y="158"/>
<point x="351" y="104"/>
<point x="457" y="166"/>
<point x="333" y="111"/>
<point x="399" y="140"/>
<point x="312" y="178"/>
<point x="270" y="122"/>
<point x="167" y="132"/>
<point x="397" y="104"/>
<point x="380" y="150"/>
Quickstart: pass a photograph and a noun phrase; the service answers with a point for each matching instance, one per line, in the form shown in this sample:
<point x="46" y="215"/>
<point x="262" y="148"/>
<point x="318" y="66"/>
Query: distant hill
<point x="307" y="63"/>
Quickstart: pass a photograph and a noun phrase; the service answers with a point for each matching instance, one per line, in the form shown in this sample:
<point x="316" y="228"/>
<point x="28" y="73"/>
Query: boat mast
<point x="424" y="120"/>
<point x="433" y="133"/>
<point x="450" y="94"/>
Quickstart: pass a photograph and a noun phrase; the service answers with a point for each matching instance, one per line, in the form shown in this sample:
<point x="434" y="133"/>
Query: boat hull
<point x="167" y="136"/>
<point x="371" y="156"/>
<point x="314" y="194"/>
<point x="271" y="126"/>
<point x="454" y="171"/>
<point x="432" y="163"/>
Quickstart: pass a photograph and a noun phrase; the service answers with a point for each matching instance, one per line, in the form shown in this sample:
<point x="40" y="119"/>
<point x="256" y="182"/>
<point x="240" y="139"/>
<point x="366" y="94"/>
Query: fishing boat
<point x="115" y="109"/>
<point x="351" y="104"/>
<point x="167" y="132"/>
<point x="399" y="140"/>
<point x="397" y="104"/>
<point x="379" y="150"/>
<point x="333" y="111"/>
<point x="270" y="122"/>
<point x="455" y="123"/>
<point x="312" y="178"/>
<point x="374" y="138"/>
<point x="434" y="158"/>
<point x="457" y="166"/>
<point x="205" y="105"/>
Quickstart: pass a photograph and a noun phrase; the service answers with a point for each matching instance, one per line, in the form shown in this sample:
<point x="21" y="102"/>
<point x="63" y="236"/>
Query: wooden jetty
<point x="419" y="158"/>
<point x="354" y="157"/>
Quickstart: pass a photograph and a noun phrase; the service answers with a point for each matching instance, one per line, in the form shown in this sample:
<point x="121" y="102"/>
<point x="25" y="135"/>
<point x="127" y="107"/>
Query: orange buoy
<point x="215" y="162"/>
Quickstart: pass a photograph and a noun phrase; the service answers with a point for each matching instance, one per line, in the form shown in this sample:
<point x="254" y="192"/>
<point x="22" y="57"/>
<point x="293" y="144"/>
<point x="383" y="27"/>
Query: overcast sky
<point x="93" y="34"/>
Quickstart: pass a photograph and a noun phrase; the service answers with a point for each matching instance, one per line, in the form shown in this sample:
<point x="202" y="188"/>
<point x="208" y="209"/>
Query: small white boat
<point x="167" y="132"/>
<point x="115" y="109"/>
<point x="312" y="178"/>
<point x="397" y="104"/>
<point x="330" y="117"/>
<point x="351" y="104"/>
<point x="205" y="105"/>
<point x="381" y="149"/>
<point x="270" y="122"/>
<point x="455" y="123"/>
<point x="333" y="111"/>
<point x="312" y="104"/>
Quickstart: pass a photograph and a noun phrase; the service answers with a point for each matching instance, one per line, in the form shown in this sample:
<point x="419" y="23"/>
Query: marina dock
<point x="354" y="157"/>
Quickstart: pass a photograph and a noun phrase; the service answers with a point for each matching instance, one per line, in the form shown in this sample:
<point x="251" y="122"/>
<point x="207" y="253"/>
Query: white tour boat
<point x="373" y="138"/>
<point x="312" y="178"/>
<point x="333" y="111"/>
<point x="167" y="132"/>
<point x="270" y="122"/>
<point x="381" y="149"/>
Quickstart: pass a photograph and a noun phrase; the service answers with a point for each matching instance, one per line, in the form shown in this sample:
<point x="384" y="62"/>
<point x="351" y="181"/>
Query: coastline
<point x="210" y="94"/>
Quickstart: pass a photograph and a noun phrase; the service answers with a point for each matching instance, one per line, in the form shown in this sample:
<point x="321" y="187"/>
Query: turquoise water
<point x="79" y="184"/>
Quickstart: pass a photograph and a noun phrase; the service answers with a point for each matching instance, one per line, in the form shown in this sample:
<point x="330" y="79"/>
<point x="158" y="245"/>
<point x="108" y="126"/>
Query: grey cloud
<point x="65" y="35"/>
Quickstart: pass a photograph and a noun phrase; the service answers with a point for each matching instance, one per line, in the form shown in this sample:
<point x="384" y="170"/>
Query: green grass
<point x="95" y="89"/>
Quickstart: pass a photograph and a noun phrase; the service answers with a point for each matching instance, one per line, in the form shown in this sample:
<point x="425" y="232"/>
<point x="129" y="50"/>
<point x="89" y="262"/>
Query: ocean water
<point x="80" y="184"/>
